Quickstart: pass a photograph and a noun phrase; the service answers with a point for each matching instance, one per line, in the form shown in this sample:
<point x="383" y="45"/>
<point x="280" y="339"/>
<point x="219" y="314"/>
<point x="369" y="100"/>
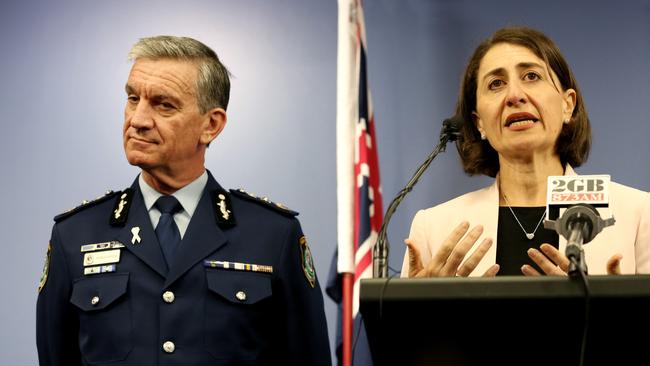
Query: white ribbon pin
<point x="136" y="235"/>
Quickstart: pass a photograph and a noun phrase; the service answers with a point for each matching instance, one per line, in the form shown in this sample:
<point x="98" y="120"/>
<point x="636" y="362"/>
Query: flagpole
<point x="359" y="205"/>
<point x="348" y="283"/>
<point x="347" y="116"/>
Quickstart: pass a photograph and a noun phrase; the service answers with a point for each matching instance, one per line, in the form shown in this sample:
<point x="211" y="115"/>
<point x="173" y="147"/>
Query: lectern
<point x="507" y="320"/>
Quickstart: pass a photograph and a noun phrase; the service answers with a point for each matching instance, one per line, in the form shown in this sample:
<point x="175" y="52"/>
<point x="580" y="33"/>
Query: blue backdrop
<point x="63" y="67"/>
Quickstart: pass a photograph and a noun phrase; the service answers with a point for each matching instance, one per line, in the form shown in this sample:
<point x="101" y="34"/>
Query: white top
<point x="630" y="236"/>
<point x="188" y="197"/>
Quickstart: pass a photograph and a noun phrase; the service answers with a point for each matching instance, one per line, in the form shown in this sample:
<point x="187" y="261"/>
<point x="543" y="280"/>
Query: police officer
<point x="175" y="270"/>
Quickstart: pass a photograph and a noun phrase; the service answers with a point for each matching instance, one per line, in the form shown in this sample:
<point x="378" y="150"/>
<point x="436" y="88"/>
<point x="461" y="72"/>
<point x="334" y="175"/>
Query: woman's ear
<point x="478" y="123"/>
<point x="568" y="104"/>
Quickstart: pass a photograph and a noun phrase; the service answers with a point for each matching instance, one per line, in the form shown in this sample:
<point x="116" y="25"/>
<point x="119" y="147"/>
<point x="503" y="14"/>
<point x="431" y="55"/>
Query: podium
<point x="507" y="320"/>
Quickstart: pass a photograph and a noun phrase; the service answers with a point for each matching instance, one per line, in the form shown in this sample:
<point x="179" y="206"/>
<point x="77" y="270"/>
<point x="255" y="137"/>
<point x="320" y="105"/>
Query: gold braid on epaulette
<point x="264" y="201"/>
<point x="84" y="205"/>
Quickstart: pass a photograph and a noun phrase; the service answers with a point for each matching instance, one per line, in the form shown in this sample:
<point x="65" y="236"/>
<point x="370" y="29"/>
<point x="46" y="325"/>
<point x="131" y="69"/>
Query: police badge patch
<point x="307" y="262"/>
<point x="46" y="269"/>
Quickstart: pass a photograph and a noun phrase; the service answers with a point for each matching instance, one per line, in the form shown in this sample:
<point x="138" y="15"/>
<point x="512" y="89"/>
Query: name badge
<point x="103" y="257"/>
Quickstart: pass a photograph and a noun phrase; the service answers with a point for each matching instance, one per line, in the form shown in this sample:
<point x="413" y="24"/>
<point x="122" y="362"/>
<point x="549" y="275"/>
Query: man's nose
<point x="141" y="116"/>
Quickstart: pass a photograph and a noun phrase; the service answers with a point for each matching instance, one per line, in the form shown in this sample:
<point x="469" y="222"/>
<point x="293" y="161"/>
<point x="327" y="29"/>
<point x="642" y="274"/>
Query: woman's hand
<point x="448" y="261"/>
<point x="554" y="263"/>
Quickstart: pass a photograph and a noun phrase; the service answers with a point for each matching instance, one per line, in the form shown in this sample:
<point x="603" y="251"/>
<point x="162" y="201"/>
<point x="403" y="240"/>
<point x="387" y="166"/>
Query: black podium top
<point x="506" y="320"/>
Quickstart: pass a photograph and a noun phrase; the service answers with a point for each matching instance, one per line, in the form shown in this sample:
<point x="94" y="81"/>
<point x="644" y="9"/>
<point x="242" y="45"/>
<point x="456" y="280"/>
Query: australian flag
<point x="359" y="203"/>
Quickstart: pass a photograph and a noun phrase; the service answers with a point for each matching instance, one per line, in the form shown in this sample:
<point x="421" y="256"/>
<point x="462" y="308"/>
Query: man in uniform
<point x="175" y="270"/>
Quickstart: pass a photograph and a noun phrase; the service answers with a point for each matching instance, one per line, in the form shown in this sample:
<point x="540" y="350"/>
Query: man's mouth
<point x="140" y="140"/>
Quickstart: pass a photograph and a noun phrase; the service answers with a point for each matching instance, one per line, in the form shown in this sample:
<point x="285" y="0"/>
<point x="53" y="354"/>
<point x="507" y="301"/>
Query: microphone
<point x="581" y="222"/>
<point x="451" y="128"/>
<point x="450" y="132"/>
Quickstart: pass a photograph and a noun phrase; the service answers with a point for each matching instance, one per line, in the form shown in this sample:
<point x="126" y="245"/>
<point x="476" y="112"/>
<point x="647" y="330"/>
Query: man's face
<point x="163" y="127"/>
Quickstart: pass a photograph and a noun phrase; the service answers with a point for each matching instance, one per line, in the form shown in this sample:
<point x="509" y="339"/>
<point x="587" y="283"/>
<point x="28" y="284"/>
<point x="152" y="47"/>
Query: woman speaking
<point x="525" y="120"/>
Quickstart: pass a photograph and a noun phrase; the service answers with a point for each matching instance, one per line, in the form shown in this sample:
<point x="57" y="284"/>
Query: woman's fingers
<point x="614" y="265"/>
<point x="556" y="256"/>
<point x="468" y="266"/>
<point x="415" y="260"/>
<point x="549" y="267"/>
<point x="457" y="255"/>
<point x="492" y="271"/>
<point x="449" y="260"/>
<point x="528" y="270"/>
<point x="442" y="255"/>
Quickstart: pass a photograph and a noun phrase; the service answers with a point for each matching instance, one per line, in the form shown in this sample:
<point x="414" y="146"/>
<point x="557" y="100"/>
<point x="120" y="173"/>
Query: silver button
<point x="240" y="295"/>
<point x="169" y="297"/>
<point x="94" y="300"/>
<point x="169" y="347"/>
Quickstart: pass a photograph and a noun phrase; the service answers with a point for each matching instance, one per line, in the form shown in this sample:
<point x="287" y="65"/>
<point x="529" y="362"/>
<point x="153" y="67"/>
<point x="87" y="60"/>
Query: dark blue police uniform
<point x="241" y="289"/>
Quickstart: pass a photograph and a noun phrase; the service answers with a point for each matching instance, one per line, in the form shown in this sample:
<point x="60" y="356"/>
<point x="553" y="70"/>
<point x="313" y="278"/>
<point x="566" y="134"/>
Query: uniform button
<point x="240" y="295"/>
<point x="94" y="300"/>
<point x="169" y="347"/>
<point x="169" y="297"/>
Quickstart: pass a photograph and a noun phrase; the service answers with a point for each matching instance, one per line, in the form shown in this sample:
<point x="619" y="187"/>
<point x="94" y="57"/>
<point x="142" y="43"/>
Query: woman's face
<point x="520" y="105"/>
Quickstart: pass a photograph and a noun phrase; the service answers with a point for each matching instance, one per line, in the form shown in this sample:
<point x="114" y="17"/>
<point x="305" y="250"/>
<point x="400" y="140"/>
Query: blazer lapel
<point x="487" y="211"/>
<point x="138" y="226"/>
<point x="202" y="237"/>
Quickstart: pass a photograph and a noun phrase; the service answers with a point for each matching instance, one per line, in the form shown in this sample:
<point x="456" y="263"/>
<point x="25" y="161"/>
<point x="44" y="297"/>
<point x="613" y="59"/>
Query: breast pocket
<point x="238" y="314"/>
<point x="104" y="317"/>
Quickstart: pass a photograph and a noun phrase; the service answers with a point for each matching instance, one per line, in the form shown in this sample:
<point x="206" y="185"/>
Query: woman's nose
<point x="515" y="94"/>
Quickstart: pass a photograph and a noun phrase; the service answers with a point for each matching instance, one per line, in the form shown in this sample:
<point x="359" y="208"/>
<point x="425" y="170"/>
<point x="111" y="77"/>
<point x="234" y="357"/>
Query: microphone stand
<point x="579" y="224"/>
<point x="450" y="132"/>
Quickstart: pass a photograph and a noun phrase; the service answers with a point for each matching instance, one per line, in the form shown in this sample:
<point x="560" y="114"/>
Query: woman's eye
<point x="494" y="84"/>
<point x="530" y="76"/>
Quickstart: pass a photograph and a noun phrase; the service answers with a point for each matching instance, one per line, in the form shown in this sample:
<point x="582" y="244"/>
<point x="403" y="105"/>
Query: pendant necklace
<point x="530" y="236"/>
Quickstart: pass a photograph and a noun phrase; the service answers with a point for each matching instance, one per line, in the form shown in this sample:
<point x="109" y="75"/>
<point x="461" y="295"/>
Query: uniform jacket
<point x="143" y="313"/>
<point x="630" y="235"/>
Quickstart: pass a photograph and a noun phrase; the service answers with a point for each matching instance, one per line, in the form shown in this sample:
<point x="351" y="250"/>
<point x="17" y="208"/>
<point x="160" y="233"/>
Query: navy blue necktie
<point x="168" y="235"/>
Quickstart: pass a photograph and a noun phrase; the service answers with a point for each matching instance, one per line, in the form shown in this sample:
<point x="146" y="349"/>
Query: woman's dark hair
<point x="574" y="142"/>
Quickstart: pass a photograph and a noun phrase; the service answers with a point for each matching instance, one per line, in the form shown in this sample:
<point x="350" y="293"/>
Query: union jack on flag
<point x="359" y="202"/>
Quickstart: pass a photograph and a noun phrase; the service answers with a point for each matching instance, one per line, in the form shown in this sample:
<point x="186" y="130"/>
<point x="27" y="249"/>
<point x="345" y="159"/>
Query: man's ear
<point x="214" y="124"/>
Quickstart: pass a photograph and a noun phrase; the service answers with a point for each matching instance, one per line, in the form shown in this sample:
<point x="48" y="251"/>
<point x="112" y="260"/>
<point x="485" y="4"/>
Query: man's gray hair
<point x="213" y="79"/>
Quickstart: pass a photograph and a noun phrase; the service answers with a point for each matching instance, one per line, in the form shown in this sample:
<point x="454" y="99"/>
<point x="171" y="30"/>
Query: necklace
<point x="530" y="236"/>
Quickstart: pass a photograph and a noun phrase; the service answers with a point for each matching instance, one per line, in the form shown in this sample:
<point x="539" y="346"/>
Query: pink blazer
<point x="630" y="236"/>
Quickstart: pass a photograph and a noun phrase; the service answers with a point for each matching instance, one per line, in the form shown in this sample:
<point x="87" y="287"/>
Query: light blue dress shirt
<point x="188" y="197"/>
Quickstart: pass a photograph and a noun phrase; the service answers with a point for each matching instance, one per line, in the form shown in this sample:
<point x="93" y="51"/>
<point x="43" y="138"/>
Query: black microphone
<point x="581" y="222"/>
<point x="450" y="132"/>
<point x="579" y="225"/>
<point x="451" y="127"/>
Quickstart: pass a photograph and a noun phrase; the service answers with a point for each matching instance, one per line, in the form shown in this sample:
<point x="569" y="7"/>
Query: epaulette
<point x="84" y="205"/>
<point x="265" y="201"/>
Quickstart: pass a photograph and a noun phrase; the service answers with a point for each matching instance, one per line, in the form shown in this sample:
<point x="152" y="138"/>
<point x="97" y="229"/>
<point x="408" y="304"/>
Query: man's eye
<point x="132" y="98"/>
<point x="166" y="105"/>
